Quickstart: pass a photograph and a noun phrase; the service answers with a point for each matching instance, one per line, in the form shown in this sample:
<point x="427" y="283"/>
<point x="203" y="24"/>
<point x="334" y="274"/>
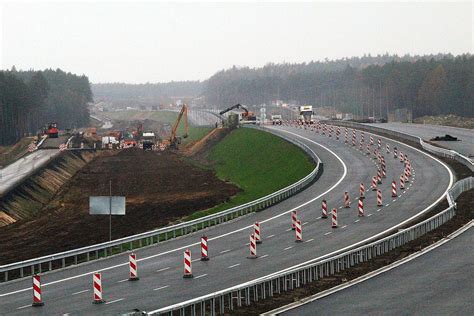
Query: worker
<point x="216" y="124"/>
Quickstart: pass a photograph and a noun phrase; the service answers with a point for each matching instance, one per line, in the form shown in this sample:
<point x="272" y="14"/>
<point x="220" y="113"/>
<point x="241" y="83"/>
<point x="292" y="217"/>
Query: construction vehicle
<point x="276" y="119"/>
<point x="245" y="117"/>
<point x="148" y="140"/>
<point x="306" y="114"/>
<point x="52" y="130"/>
<point x="174" y="140"/>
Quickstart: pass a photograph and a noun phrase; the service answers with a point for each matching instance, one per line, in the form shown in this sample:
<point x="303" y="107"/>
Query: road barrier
<point x="324" y="209"/>
<point x="132" y="263"/>
<point x="298" y="231"/>
<point x="228" y="299"/>
<point x="334" y="218"/>
<point x="97" y="287"/>
<point x="294" y="217"/>
<point x="188" y="272"/>
<point x="252" y="247"/>
<point x="204" y="249"/>
<point x="37" y="291"/>
<point x="361" y="207"/>
<point x="76" y="256"/>
<point x="256" y="229"/>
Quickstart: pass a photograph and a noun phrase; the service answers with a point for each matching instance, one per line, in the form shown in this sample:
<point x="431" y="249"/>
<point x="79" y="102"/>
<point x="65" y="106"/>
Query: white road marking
<point x="309" y="240"/>
<point x="163" y="269"/>
<point x="114" y="301"/>
<point x="327" y="233"/>
<point x="394" y="200"/>
<point x="233" y="266"/>
<point x="21" y="307"/>
<point x="379" y="210"/>
<point x="200" y="276"/>
<point x="344" y="226"/>
<point x="160" y="288"/>
<point x="288" y="248"/>
<point x="288" y="230"/>
<point x="304" y="223"/>
<point x="270" y="236"/>
<point x="263" y="256"/>
<point x="124" y="280"/>
<point x="357" y="220"/>
<point x="83" y="291"/>
<point x="340" y="207"/>
<point x="368" y="215"/>
<point x="387" y="204"/>
<point x="198" y="259"/>
<point x="318" y="217"/>
<point x="224" y="251"/>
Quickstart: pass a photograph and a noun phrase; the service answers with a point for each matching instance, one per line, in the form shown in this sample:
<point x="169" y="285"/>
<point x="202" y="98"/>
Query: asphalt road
<point x="439" y="282"/>
<point x="464" y="146"/>
<point x="161" y="267"/>
<point x="23" y="167"/>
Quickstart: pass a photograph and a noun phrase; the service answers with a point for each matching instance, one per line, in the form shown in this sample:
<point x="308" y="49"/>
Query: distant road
<point x="437" y="283"/>
<point x="466" y="136"/>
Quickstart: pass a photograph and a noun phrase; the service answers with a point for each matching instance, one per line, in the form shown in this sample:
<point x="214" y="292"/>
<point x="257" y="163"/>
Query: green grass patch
<point x="258" y="162"/>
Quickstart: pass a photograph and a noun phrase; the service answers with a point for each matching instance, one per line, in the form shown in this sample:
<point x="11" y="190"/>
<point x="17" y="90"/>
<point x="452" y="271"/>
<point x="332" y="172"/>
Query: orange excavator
<point x="175" y="140"/>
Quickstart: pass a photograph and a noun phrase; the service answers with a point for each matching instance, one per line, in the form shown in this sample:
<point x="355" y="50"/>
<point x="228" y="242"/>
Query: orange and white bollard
<point x="252" y="247"/>
<point x="299" y="232"/>
<point x="324" y="209"/>
<point x="374" y="183"/>
<point x="361" y="208"/>
<point x="379" y="198"/>
<point x="204" y="249"/>
<point x="37" y="291"/>
<point x="334" y="218"/>
<point x="256" y="231"/>
<point x="347" y="203"/>
<point x="188" y="272"/>
<point x="97" y="285"/>
<point x="394" y="189"/>
<point x="362" y="191"/>
<point x="294" y="217"/>
<point x="132" y="263"/>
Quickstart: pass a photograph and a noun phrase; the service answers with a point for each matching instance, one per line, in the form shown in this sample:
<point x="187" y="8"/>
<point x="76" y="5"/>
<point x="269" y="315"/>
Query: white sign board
<point x="100" y="205"/>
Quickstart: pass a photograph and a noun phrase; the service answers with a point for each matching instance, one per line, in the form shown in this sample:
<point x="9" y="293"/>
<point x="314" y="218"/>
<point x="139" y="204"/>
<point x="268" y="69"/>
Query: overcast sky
<point x="159" y="42"/>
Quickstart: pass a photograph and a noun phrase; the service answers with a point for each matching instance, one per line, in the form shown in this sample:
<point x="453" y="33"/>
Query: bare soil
<point x="159" y="188"/>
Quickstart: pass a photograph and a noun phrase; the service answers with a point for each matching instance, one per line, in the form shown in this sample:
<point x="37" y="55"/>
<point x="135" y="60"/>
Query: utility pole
<point x="110" y="210"/>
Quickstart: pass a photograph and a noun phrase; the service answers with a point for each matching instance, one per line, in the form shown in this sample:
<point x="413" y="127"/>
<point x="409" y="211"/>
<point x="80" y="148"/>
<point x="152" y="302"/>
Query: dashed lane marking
<point x="163" y="269"/>
<point x="83" y="291"/>
<point x="368" y="215"/>
<point x="288" y="230"/>
<point x="304" y="223"/>
<point x="387" y="204"/>
<point x="344" y="226"/>
<point x="270" y="236"/>
<point x="233" y="266"/>
<point x="224" y="251"/>
<point x="161" y="288"/>
<point x="357" y="220"/>
<point x="327" y="233"/>
<point x="114" y="301"/>
<point x="379" y="210"/>
<point x="288" y="248"/>
<point x="122" y="280"/>
<point x="263" y="256"/>
<point x="201" y="276"/>
<point x="21" y="307"/>
<point x="394" y="200"/>
<point x="309" y="240"/>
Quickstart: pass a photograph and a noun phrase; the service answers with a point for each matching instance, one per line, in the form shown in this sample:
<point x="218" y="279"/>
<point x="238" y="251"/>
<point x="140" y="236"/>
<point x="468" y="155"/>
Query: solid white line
<point x="288" y="248"/>
<point x="160" y="288"/>
<point x="233" y="266"/>
<point x="327" y="233"/>
<point x="224" y="251"/>
<point x="309" y="240"/>
<point x="114" y="301"/>
<point x="270" y="236"/>
<point x="124" y="280"/>
<point x="163" y="269"/>
<point x="200" y="276"/>
<point x="83" y="291"/>
<point x="370" y="275"/>
<point x="21" y="307"/>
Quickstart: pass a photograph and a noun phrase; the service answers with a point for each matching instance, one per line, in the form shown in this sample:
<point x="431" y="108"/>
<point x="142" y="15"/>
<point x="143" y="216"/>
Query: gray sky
<point x="158" y="42"/>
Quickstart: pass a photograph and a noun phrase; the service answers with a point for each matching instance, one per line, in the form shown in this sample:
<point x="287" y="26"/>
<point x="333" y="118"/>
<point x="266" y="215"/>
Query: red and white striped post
<point x="299" y="232"/>
<point x="347" y="203"/>
<point x="188" y="272"/>
<point x="256" y="231"/>
<point x="388" y="148"/>
<point x="37" y="291"/>
<point x="361" y="208"/>
<point x="334" y="218"/>
<point x="324" y="209"/>
<point x="371" y="141"/>
<point x="384" y="174"/>
<point x="204" y="249"/>
<point x="374" y="183"/>
<point x="379" y="143"/>
<point x="394" y="189"/>
<point x="360" y="146"/>
<point x="132" y="263"/>
<point x="361" y="191"/>
<point x="252" y="247"/>
<point x="406" y="174"/>
<point x="395" y="154"/>
<point x="294" y="217"/>
<point x="97" y="285"/>
<point x="402" y="182"/>
<point x="346" y="137"/>
<point x="379" y="177"/>
<point x="379" y="198"/>
<point x="401" y="157"/>
<point x="368" y="150"/>
<point x="362" y="136"/>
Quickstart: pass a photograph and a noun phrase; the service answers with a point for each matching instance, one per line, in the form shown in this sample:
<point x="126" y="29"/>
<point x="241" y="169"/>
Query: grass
<point x="258" y="162"/>
<point x="9" y="154"/>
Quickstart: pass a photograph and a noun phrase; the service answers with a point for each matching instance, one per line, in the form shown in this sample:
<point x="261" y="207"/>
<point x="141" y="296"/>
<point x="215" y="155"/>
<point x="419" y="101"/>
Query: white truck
<point x="276" y="119"/>
<point x="306" y="114"/>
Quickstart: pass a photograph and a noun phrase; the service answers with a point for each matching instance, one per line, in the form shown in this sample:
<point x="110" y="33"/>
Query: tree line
<point x="427" y="85"/>
<point x="31" y="99"/>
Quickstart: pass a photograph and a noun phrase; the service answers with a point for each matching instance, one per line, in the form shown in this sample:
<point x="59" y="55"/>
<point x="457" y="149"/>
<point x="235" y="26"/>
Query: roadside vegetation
<point x="9" y="154"/>
<point x="257" y="162"/>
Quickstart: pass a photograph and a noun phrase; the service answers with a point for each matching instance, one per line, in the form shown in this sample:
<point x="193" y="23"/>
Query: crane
<point x="183" y="115"/>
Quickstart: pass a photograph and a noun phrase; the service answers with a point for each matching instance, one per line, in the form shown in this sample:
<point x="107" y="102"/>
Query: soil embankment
<point x="159" y="187"/>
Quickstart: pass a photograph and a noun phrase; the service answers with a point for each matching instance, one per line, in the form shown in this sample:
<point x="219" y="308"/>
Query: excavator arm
<point x="234" y="107"/>
<point x="183" y="115"/>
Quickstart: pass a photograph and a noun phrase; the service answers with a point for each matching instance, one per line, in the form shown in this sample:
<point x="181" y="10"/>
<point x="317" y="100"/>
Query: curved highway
<point x="437" y="283"/>
<point x="161" y="267"/>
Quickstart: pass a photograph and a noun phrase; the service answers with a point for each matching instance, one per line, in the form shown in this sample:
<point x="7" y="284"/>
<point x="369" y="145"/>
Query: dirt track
<point x="159" y="188"/>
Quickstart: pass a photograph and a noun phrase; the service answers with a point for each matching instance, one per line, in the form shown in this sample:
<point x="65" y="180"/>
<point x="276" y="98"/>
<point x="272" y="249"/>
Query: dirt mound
<point x="447" y="120"/>
<point x="159" y="187"/>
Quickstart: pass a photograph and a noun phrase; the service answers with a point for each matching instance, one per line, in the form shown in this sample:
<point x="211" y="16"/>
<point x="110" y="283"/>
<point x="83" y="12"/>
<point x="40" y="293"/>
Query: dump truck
<point x="306" y="114"/>
<point x="276" y="119"/>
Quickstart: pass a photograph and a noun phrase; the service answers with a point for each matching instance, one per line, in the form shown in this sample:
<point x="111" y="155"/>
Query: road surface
<point x="464" y="146"/>
<point x="439" y="282"/>
<point x="161" y="267"/>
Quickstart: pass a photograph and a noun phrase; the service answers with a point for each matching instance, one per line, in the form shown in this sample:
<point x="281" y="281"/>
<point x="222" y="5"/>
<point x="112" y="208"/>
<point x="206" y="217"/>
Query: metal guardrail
<point x="72" y="257"/>
<point x="452" y="154"/>
<point x="244" y="294"/>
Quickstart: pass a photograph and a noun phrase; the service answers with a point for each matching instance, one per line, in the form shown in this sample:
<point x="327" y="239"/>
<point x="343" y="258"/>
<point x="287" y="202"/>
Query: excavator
<point x="175" y="140"/>
<point x="246" y="116"/>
